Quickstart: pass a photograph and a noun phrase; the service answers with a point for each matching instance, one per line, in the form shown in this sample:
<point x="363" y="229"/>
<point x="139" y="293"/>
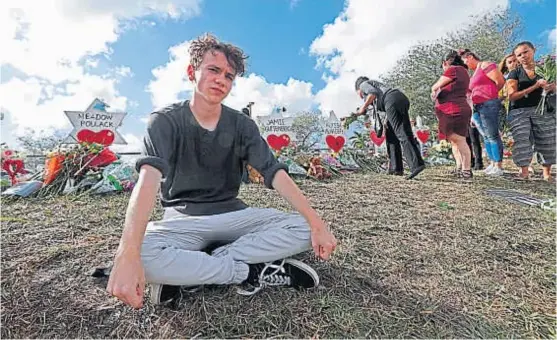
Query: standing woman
<point x="506" y="65"/>
<point x="527" y="126"/>
<point x="485" y="84"/>
<point x="453" y="111"/>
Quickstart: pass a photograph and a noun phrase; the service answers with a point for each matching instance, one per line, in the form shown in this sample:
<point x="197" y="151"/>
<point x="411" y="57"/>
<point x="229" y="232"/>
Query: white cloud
<point x="54" y="45"/>
<point x="134" y="144"/>
<point x="170" y="84"/>
<point x="170" y="79"/>
<point x="6" y="129"/>
<point x="32" y="103"/>
<point x="48" y="38"/>
<point x="123" y="71"/>
<point x="295" y="95"/>
<point x="552" y="38"/>
<point x="369" y="36"/>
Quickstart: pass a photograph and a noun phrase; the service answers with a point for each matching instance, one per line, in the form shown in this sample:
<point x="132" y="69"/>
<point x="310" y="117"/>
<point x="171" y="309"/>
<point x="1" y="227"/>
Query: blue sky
<point x="99" y="59"/>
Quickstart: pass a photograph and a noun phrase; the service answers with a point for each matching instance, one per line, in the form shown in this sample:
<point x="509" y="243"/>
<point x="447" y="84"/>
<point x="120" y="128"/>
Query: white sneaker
<point x="488" y="169"/>
<point x="496" y="172"/>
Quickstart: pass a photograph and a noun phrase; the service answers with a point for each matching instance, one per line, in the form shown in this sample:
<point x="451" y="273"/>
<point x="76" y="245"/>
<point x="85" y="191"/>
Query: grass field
<point x="430" y="258"/>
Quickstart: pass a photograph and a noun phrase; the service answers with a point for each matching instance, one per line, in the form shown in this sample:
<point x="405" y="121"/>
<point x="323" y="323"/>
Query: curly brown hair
<point x="208" y="42"/>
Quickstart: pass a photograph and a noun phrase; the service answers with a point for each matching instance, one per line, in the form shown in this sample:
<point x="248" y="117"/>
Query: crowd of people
<point x="194" y="153"/>
<point x="471" y="105"/>
<point x="471" y="97"/>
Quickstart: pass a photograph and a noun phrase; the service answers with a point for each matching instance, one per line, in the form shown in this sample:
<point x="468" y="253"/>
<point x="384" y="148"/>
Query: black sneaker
<point x="287" y="272"/>
<point x="161" y="293"/>
<point x="416" y="172"/>
<point x="395" y="173"/>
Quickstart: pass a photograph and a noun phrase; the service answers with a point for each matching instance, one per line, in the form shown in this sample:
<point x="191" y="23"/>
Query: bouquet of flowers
<point x="72" y="164"/>
<point x="440" y="153"/>
<point x="346" y="121"/>
<point x="545" y="68"/>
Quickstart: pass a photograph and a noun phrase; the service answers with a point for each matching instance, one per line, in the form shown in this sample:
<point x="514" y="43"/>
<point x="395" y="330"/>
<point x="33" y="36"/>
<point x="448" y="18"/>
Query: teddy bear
<point x="317" y="170"/>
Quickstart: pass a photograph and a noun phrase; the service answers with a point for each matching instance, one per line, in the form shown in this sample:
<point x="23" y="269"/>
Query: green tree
<point x="308" y="129"/>
<point x="40" y="142"/>
<point x="490" y="36"/>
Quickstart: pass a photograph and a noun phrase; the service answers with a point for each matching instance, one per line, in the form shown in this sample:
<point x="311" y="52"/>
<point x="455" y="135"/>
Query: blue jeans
<point x="486" y="118"/>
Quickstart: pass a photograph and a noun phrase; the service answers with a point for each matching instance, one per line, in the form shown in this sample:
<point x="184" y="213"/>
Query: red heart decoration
<point x="285" y="139"/>
<point x="14" y="167"/>
<point x="8" y="153"/>
<point x="423" y="135"/>
<point x="335" y="143"/>
<point x="376" y="140"/>
<point x="104" y="137"/>
<point x="274" y="141"/>
<point x="278" y="142"/>
<point x="441" y="135"/>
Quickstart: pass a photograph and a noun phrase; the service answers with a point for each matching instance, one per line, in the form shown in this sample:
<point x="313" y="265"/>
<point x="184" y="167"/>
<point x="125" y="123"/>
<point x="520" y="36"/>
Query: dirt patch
<point x="430" y="258"/>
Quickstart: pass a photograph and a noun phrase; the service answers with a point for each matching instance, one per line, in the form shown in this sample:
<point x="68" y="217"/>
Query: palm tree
<point x="360" y="140"/>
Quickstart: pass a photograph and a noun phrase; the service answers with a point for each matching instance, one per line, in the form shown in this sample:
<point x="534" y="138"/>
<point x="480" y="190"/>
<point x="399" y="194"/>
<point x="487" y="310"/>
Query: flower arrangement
<point x="508" y="143"/>
<point x="347" y="121"/>
<point x="73" y="164"/>
<point x="440" y="152"/>
<point x="546" y="69"/>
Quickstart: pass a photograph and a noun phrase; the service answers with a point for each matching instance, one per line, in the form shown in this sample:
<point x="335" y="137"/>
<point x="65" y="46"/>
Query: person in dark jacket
<point x="399" y="135"/>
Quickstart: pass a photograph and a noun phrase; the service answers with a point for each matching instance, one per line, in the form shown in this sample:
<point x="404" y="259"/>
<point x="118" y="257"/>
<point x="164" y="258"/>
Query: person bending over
<point x="194" y="151"/>
<point x="399" y="130"/>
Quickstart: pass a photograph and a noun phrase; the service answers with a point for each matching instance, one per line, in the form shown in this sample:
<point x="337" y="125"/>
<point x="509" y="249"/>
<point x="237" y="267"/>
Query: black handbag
<point x="377" y="122"/>
<point x="550" y="102"/>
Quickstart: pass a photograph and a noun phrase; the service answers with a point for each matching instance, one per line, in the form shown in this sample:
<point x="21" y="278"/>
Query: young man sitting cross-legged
<point x="194" y="152"/>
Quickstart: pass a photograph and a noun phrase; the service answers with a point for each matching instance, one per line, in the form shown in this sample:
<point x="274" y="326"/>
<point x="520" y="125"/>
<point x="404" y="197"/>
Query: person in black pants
<point x="398" y="128"/>
<point x="474" y="142"/>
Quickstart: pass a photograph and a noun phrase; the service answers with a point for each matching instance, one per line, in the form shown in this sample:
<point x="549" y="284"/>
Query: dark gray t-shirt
<point x="202" y="169"/>
<point x="378" y="89"/>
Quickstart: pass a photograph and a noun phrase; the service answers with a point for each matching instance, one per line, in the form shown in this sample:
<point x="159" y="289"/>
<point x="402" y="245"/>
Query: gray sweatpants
<point x="171" y="251"/>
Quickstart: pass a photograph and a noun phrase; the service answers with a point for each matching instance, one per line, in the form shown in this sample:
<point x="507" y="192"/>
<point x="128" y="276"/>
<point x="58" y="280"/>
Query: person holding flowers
<point x="532" y="125"/>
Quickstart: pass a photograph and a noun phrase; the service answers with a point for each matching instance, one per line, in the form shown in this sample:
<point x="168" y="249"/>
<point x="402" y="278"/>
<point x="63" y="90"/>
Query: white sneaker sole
<point x="156" y="290"/>
<point x="305" y="268"/>
<point x="496" y="173"/>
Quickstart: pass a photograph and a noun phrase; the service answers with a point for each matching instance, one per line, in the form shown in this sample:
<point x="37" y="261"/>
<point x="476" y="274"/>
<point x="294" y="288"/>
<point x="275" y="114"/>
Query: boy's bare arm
<point x="127" y="278"/>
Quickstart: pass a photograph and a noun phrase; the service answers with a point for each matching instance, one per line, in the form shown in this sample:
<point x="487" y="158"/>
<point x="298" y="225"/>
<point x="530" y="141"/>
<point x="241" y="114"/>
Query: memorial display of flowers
<point x="545" y="67"/>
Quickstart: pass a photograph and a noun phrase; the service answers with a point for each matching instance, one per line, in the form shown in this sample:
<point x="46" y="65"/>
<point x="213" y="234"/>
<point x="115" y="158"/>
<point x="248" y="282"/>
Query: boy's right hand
<point x="127" y="279"/>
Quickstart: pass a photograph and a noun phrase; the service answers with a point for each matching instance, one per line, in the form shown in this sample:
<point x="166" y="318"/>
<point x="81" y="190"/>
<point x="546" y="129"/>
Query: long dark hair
<point x="527" y="43"/>
<point x="454" y="59"/>
<point x="465" y="52"/>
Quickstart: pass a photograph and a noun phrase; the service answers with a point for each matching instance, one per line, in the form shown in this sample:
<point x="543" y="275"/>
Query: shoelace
<point x="273" y="279"/>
